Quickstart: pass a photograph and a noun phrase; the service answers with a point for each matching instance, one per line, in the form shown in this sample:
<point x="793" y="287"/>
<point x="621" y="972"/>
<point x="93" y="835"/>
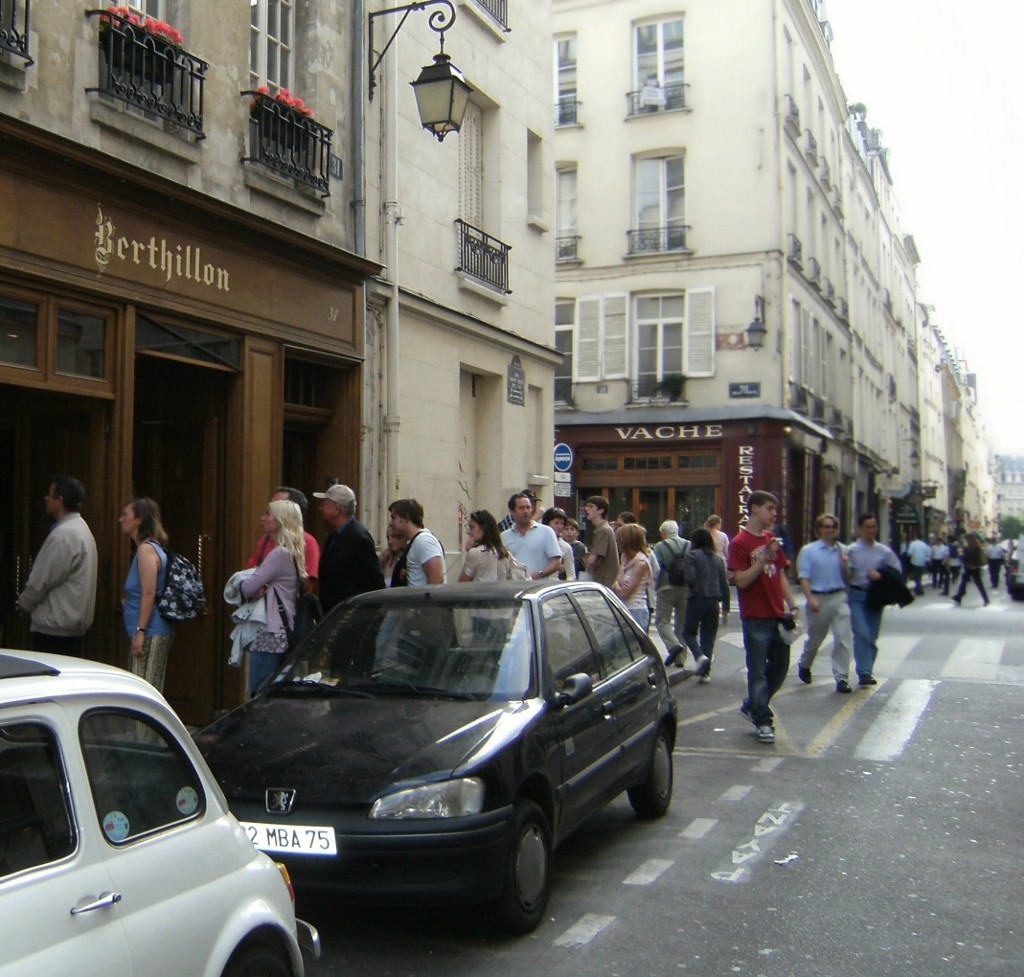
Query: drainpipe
<point x="391" y="218"/>
<point x="358" y="176"/>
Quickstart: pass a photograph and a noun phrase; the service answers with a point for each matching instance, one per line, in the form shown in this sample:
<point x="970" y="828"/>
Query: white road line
<point x="584" y="931"/>
<point x="974" y="658"/>
<point x="767" y="765"/>
<point x="890" y="732"/>
<point x="698" y="827"/>
<point x="736" y="793"/>
<point x="892" y="649"/>
<point x="648" y="872"/>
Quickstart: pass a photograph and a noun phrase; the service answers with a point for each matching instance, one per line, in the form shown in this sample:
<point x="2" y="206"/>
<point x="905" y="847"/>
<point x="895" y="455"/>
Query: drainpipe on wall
<point x="356" y="82"/>
<point x="391" y="218"/>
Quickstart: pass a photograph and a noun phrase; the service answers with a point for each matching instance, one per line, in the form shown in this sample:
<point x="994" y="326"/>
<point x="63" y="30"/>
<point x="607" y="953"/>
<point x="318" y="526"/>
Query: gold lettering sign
<point x="670" y="432"/>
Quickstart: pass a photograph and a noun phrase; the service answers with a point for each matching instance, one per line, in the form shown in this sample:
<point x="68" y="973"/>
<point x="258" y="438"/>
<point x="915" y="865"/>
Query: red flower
<point x="284" y="97"/>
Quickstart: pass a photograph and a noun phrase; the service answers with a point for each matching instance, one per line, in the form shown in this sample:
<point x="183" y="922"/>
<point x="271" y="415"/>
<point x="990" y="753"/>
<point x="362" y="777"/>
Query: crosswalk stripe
<point x="648" y="872"/>
<point x="584" y="930"/>
<point x="974" y="658"/>
<point x="890" y="732"/>
<point x="698" y="827"/>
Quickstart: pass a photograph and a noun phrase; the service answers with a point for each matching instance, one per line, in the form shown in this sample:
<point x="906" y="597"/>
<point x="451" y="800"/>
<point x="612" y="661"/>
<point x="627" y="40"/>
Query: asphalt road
<point x="879" y="835"/>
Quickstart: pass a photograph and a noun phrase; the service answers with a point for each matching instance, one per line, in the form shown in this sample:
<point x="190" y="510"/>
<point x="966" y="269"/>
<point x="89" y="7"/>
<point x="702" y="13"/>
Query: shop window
<point x="647" y="463"/>
<point x="600" y="464"/>
<point x="19" y="332"/>
<point x="698" y="461"/>
<point x="185" y="342"/>
<point x="81" y="344"/>
<point x="305" y="384"/>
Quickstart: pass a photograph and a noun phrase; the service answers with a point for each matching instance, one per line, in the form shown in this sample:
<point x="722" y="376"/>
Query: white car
<point x="118" y="855"/>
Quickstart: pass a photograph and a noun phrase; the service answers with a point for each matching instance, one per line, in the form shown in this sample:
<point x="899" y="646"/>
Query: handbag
<point x="308" y="613"/>
<point x="183" y="597"/>
<point x="509" y="568"/>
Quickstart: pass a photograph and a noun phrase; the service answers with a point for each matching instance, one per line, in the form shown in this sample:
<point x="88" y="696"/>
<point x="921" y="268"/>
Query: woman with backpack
<point x="708" y="580"/>
<point x="278" y="580"/>
<point x="149" y="634"/>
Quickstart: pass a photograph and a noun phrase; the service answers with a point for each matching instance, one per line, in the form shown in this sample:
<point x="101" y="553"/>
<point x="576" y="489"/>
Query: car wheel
<point x="527" y="885"/>
<point x="258" y="961"/>
<point x="653" y="795"/>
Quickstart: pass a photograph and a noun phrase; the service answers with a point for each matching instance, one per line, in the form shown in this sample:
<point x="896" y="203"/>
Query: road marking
<point x="698" y="827"/>
<point x="768" y="828"/>
<point x="648" y="872"/>
<point x="736" y="793"/>
<point x="891" y="731"/>
<point x="892" y="650"/>
<point x="975" y="658"/>
<point x="831" y="730"/>
<point x="584" y="930"/>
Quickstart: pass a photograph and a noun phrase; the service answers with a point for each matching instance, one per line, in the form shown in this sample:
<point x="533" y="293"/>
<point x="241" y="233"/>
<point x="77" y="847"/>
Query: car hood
<point x="350" y="751"/>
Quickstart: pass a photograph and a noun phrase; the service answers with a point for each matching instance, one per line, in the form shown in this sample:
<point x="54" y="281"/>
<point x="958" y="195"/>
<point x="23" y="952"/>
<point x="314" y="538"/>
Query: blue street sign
<point x="563" y="457"/>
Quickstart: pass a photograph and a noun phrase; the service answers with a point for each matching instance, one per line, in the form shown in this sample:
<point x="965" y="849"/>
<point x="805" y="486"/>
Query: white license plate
<point x="305" y="839"/>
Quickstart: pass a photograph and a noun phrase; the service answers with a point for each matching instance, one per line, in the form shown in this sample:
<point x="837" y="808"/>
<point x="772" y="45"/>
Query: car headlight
<point x="447" y="799"/>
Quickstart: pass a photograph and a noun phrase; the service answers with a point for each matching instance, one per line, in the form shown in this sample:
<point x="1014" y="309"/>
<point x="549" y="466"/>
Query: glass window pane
<point x="612" y="647"/>
<point x="565" y="313"/>
<point x="81" y="344"/>
<point x="19" y="332"/>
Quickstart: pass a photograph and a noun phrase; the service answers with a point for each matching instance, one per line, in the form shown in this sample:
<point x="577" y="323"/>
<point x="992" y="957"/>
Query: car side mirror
<point x="574" y="688"/>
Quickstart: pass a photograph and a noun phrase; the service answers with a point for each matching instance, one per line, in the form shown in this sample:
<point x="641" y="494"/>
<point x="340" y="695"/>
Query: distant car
<point x="118" y="855"/>
<point x="433" y="745"/>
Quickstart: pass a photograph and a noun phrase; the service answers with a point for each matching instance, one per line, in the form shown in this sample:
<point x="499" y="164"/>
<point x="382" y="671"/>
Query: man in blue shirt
<point x="822" y="568"/>
<point x="529" y="542"/>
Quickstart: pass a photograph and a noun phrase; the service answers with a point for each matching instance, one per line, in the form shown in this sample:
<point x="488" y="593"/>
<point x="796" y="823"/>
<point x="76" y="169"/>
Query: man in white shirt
<point x="919" y="553"/>
<point x="555" y="518"/>
<point x="424" y="554"/>
<point x="529" y="542"/>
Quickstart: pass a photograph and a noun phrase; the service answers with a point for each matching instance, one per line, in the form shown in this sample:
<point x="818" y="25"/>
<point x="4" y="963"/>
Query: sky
<point x="944" y="80"/>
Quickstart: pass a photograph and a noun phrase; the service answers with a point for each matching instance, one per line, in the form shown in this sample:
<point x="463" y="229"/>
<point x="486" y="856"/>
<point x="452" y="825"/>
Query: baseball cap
<point x="530" y="493"/>
<point x="341" y="494"/>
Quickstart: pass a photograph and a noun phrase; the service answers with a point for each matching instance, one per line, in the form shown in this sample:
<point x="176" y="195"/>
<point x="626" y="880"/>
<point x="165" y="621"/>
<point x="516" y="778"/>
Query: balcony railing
<point x="498" y="9"/>
<point x="483" y="257"/>
<point x="656" y="98"/>
<point x="796" y="251"/>
<point x="792" y="115"/>
<point x="652" y="240"/>
<point x="149" y="73"/>
<point x="670" y="388"/>
<point x="567" y="248"/>
<point x="567" y="110"/>
<point x="289" y="142"/>
<point x="14" y="33"/>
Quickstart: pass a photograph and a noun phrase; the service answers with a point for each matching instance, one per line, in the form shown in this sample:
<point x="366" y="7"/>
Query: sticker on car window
<point x="187" y="800"/>
<point x="115" y="826"/>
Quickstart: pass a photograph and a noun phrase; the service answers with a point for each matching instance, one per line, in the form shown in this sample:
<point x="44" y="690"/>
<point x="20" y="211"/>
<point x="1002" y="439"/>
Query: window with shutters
<point x="601" y="338"/>
<point x="699" y="333"/>
<point x="471" y="167"/>
<point x="271" y="40"/>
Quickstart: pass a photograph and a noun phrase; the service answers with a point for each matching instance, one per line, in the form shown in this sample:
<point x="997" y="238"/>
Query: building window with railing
<point x="14" y="28"/>
<point x="659" y="345"/>
<point x="660" y="206"/>
<point x="658" y="67"/>
<point x="565" y="328"/>
<point x="483" y="257"/>
<point x="566" y="107"/>
<point x="271" y="39"/>
<point x="285" y="138"/>
<point x="498" y="10"/>
<point x="143" y="63"/>
<point x="566" y="231"/>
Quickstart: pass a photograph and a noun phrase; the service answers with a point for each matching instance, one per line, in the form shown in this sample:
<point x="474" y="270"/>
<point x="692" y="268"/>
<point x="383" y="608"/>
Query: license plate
<point x="303" y="839"/>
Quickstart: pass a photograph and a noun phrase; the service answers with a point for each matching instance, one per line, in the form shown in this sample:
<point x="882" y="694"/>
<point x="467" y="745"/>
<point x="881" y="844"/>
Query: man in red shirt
<point x="267" y="542"/>
<point x="758" y="564"/>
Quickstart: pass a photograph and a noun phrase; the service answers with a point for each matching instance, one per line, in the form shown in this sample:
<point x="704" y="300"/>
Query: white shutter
<point x="616" y="363"/>
<point x="471" y="167"/>
<point x="588" y="339"/>
<point x="700" y="332"/>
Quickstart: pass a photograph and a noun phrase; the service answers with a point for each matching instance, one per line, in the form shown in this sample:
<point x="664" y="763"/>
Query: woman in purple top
<point x="277" y="581"/>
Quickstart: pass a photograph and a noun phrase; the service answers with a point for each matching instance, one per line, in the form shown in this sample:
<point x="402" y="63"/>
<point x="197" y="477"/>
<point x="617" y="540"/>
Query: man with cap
<point x="348" y="560"/>
<point x="509" y="521"/>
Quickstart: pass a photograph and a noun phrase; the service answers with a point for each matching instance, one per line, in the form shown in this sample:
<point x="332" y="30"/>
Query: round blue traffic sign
<point x="563" y="457"/>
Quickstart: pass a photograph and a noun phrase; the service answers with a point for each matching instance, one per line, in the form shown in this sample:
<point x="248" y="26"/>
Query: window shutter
<point x="700" y="332"/>
<point x="471" y="167"/>
<point x="588" y="339"/>
<point x="616" y="364"/>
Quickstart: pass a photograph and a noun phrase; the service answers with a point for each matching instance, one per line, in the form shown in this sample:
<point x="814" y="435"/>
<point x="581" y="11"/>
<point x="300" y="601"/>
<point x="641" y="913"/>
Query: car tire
<point x="653" y="795"/>
<point x="259" y="961"/>
<point x="527" y="885"/>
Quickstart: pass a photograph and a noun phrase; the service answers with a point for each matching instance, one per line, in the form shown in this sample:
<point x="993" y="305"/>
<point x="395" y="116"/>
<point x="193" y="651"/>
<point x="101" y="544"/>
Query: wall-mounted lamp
<point x="442" y="94"/>
<point x="757" y="330"/>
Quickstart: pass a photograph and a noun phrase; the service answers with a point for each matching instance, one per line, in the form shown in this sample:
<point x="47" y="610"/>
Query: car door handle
<point x="652" y="679"/>
<point x="608" y="708"/>
<point x="107" y="899"/>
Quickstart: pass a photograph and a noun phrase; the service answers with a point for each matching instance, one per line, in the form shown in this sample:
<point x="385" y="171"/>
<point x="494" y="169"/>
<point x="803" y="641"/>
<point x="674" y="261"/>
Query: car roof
<point x="32" y="675"/>
<point x="471" y="593"/>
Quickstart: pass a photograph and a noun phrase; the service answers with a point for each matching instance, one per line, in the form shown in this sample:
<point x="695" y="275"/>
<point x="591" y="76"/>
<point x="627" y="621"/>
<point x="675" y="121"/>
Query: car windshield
<point x="473" y="650"/>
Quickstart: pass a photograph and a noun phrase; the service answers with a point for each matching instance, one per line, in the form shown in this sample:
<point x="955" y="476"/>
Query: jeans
<point x="866" y="625"/>
<point x="702" y="614"/>
<point x="971" y="573"/>
<point x="261" y="664"/>
<point x="767" y="665"/>
<point x="995" y="567"/>
<point x="642" y="616"/>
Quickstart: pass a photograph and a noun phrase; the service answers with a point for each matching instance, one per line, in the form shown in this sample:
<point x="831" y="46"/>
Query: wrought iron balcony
<point x="796" y="251"/>
<point x="498" y="9"/>
<point x="652" y="240"/>
<point x="567" y="110"/>
<point x="792" y="115"/>
<point x="14" y="33"/>
<point x="656" y="98"/>
<point x="567" y="248"/>
<point x="149" y="73"/>
<point x="289" y="142"/>
<point x="670" y="388"/>
<point x="483" y="257"/>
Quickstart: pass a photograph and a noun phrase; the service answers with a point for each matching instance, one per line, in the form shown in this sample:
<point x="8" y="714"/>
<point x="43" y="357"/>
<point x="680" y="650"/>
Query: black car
<point x="433" y="745"/>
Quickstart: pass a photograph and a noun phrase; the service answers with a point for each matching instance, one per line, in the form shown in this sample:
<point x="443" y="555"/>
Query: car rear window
<point x="36" y="826"/>
<point x="141" y="778"/>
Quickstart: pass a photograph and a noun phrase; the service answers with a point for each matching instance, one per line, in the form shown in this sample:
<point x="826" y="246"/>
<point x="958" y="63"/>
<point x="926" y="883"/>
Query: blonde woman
<point x="635" y="571"/>
<point x="149" y="635"/>
<point x="277" y="579"/>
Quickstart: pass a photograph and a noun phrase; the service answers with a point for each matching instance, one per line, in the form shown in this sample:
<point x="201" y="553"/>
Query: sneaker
<point x="766" y="734"/>
<point x="704" y="679"/>
<point x="843" y="686"/>
<point x="672" y="655"/>
<point x="702" y="666"/>
<point x="805" y="674"/>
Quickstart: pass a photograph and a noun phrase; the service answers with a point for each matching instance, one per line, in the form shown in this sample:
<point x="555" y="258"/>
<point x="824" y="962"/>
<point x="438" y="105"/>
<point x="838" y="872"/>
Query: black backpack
<point x="677" y="567"/>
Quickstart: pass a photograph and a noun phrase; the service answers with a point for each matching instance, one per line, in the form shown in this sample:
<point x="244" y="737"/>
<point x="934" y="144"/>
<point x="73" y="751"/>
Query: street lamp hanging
<point x="442" y="94"/>
<point x="757" y="330"/>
